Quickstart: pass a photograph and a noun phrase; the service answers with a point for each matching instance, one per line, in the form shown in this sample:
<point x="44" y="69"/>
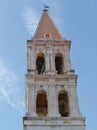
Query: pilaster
<point x="30" y="100"/>
<point x="67" y="61"/>
<point x="52" y="100"/>
<point x="74" y="105"/>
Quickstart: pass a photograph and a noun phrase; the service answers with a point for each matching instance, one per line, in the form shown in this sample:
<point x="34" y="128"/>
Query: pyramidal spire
<point x="46" y="28"/>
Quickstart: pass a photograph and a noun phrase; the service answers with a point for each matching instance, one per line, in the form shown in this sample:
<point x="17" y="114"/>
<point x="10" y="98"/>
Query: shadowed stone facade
<point x="51" y="83"/>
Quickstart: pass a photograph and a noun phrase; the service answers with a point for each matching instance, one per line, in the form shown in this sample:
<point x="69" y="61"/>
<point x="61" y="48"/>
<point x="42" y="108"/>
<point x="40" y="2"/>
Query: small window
<point x="47" y="35"/>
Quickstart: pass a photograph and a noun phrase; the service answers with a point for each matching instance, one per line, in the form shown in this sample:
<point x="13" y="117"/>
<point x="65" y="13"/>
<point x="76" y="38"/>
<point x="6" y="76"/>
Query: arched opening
<point x="63" y="103"/>
<point x="40" y="64"/>
<point x="47" y="35"/>
<point x="59" y="64"/>
<point x="41" y="104"/>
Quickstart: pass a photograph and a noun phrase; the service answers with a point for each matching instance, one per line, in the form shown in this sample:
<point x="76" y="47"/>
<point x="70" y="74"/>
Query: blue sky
<point x="77" y="21"/>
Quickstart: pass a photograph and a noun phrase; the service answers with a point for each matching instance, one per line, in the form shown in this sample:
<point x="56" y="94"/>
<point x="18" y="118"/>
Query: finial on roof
<point x="45" y="8"/>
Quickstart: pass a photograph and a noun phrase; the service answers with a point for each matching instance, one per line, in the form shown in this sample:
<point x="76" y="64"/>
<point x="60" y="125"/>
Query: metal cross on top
<point x="46" y="8"/>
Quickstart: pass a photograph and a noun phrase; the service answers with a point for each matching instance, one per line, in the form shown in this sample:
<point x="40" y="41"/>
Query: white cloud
<point x="9" y="91"/>
<point x="31" y="19"/>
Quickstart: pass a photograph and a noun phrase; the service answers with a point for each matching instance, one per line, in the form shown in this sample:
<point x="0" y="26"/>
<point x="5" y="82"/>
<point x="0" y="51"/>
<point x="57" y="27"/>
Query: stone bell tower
<point x="51" y="83"/>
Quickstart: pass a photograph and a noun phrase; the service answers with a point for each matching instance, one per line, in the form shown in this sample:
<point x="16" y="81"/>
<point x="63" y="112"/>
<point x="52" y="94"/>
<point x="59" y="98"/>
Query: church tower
<point x="51" y="83"/>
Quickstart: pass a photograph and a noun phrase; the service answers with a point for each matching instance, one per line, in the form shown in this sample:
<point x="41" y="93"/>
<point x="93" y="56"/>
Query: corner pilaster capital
<point x="29" y="83"/>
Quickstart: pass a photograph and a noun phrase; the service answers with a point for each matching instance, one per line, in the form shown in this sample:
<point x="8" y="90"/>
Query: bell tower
<point x="51" y="83"/>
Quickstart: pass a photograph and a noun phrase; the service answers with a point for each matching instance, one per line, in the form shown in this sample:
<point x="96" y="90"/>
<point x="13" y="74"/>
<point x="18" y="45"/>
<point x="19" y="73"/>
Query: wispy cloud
<point x="31" y="18"/>
<point x="9" y="91"/>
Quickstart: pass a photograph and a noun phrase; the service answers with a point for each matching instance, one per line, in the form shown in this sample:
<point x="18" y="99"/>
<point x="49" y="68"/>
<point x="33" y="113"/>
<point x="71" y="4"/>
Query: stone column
<point x="52" y="102"/>
<point x="50" y="65"/>
<point x="47" y="62"/>
<point x="57" y="102"/>
<point x="67" y="61"/>
<point x="30" y="101"/>
<point x="73" y="100"/>
<point x="53" y="62"/>
<point x="32" y="58"/>
<point x="28" y="58"/>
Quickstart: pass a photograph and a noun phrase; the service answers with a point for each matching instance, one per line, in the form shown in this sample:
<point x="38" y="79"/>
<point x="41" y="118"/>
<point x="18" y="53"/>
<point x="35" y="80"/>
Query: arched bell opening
<point x="40" y="64"/>
<point x="59" y="63"/>
<point x="63" y="102"/>
<point x="41" y="103"/>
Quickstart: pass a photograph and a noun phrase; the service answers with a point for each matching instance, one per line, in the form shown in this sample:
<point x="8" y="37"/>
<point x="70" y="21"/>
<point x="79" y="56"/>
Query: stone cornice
<point x="54" y="121"/>
<point x="54" y="42"/>
<point x="70" y="78"/>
